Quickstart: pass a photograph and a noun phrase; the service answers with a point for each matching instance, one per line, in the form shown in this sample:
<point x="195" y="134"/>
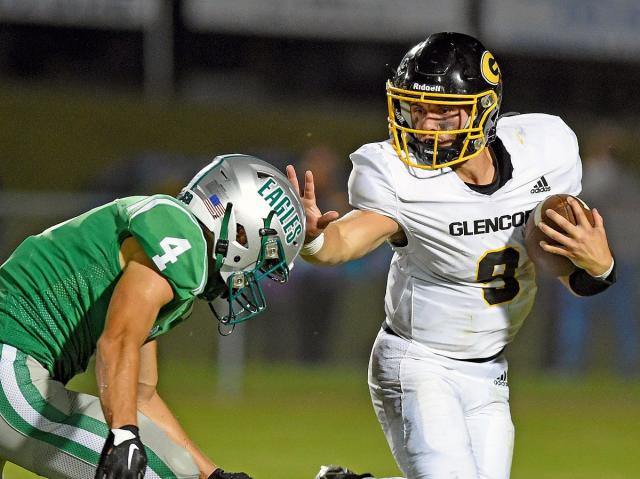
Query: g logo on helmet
<point x="489" y="68"/>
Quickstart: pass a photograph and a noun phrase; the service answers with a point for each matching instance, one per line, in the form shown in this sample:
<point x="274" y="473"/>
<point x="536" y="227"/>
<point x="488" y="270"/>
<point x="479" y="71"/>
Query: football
<point x="549" y="263"/>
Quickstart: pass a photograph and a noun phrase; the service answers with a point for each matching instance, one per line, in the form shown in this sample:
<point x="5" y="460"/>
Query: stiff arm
<point x="350" y="237"/>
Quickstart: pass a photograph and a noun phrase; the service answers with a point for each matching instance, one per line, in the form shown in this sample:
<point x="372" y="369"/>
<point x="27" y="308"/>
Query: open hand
<point x="316" y="220"/>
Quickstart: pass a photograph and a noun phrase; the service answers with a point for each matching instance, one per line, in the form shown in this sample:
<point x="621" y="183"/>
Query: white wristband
<point x="606" y="274"/>
<point x="313" y="246"/>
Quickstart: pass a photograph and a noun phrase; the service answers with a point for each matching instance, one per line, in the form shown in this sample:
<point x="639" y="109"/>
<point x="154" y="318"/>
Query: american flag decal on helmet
<point x="215" y="207"/>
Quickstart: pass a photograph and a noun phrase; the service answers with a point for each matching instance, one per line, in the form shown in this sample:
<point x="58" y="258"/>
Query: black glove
<point x="123" y="455"/>
<point x="339" y="472"/>
<point x="220" y="474"/>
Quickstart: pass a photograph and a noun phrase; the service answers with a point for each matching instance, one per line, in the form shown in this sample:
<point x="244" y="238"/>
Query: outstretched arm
<point x="353" y="236"/>
<point x="348" y="238"/>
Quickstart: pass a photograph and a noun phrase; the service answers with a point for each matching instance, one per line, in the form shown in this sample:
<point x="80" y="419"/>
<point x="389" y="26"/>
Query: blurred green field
<point x="290" y="420"/>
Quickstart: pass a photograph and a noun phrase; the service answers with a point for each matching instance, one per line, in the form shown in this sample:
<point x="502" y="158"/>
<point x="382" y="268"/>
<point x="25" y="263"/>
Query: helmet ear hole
<point x="262" y="175"/>
<point x="241" y="235"/>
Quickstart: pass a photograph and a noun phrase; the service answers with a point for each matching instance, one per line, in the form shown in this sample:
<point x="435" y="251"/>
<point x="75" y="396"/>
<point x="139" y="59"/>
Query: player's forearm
<point x="352" y="236"/>
<point x="340" y="246"/>
<point x="157" y="410"/>
<point x="117" y="366"/>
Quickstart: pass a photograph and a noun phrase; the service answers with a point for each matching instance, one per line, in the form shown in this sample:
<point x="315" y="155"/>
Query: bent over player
<point x="112" y="280"/>
<point x="451" y="191"/>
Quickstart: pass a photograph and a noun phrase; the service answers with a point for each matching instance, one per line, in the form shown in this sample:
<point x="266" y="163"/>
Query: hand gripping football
<point x="549" y="263"/>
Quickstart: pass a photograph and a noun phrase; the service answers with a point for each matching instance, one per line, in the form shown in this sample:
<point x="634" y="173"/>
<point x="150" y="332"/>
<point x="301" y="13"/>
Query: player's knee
<point x="183" y="465"/>
<point x="180" y="462"/>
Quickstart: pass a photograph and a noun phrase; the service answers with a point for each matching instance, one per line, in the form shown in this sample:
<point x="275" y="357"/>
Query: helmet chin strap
<point x="220" y="251"/>
<point x="215" y="284"/>
<point x="222" y="244"/>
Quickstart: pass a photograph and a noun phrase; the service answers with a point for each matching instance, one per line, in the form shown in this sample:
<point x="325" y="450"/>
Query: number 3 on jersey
<point x="172" y="248"/>
<point x="499" y="264"/>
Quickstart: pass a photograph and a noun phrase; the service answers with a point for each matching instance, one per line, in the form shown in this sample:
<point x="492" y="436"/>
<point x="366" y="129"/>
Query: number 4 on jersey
<point x="172" y="248"/>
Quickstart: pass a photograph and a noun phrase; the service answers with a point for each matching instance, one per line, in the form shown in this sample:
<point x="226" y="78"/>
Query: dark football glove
<point x="220" y="474"/>
<point x="123" y="455"/>
<point x="338" y="472"/>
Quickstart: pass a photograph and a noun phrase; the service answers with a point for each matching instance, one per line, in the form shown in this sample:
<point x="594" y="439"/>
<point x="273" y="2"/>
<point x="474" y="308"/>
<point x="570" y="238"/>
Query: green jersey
<point x="56" y="286"/>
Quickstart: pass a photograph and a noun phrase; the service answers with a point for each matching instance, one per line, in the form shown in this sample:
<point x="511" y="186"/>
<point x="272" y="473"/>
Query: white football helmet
<point x="258" y="227"/>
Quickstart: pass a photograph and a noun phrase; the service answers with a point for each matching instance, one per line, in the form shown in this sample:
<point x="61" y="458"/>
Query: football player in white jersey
<point x="450" y="191"/>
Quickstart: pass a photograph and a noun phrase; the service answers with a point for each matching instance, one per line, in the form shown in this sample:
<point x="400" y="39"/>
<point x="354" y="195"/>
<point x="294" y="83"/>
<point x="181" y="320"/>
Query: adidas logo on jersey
<point x="501" y="380"/>
<point x="541" y="186"/>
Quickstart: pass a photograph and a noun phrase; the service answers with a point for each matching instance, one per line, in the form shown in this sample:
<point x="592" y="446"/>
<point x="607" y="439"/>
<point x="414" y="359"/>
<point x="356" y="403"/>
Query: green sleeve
<point x="174" y="241"/>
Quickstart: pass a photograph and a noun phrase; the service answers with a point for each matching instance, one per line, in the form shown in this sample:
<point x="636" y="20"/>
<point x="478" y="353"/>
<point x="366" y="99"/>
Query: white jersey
<point x="463" y="284"/>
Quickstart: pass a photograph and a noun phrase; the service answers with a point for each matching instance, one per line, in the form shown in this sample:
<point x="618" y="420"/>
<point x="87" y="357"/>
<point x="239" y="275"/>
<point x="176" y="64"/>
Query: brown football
<point x="549" y="263"/>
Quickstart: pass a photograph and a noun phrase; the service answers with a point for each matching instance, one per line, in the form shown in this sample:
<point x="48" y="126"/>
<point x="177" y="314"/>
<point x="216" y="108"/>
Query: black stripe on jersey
<point x="504" y="169"/>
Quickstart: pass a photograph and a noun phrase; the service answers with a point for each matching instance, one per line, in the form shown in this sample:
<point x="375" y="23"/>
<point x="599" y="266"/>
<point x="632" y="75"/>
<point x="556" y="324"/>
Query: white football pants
<point x="443" y="418"/>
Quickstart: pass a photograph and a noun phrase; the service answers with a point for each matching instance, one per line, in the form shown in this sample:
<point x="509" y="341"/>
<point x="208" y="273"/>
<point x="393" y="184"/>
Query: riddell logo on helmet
<point x="423" y="87"/>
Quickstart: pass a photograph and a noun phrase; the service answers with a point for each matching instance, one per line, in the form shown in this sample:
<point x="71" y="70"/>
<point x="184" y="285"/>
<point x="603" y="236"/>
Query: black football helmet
<point x="446" y="69"/>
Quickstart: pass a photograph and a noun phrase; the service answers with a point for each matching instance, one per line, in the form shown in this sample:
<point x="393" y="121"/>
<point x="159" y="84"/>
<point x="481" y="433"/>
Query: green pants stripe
<point x="78" y="435"/>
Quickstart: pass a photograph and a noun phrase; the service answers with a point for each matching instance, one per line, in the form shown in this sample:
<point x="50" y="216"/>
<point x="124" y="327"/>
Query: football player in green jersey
<point x="109" y="282"/>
